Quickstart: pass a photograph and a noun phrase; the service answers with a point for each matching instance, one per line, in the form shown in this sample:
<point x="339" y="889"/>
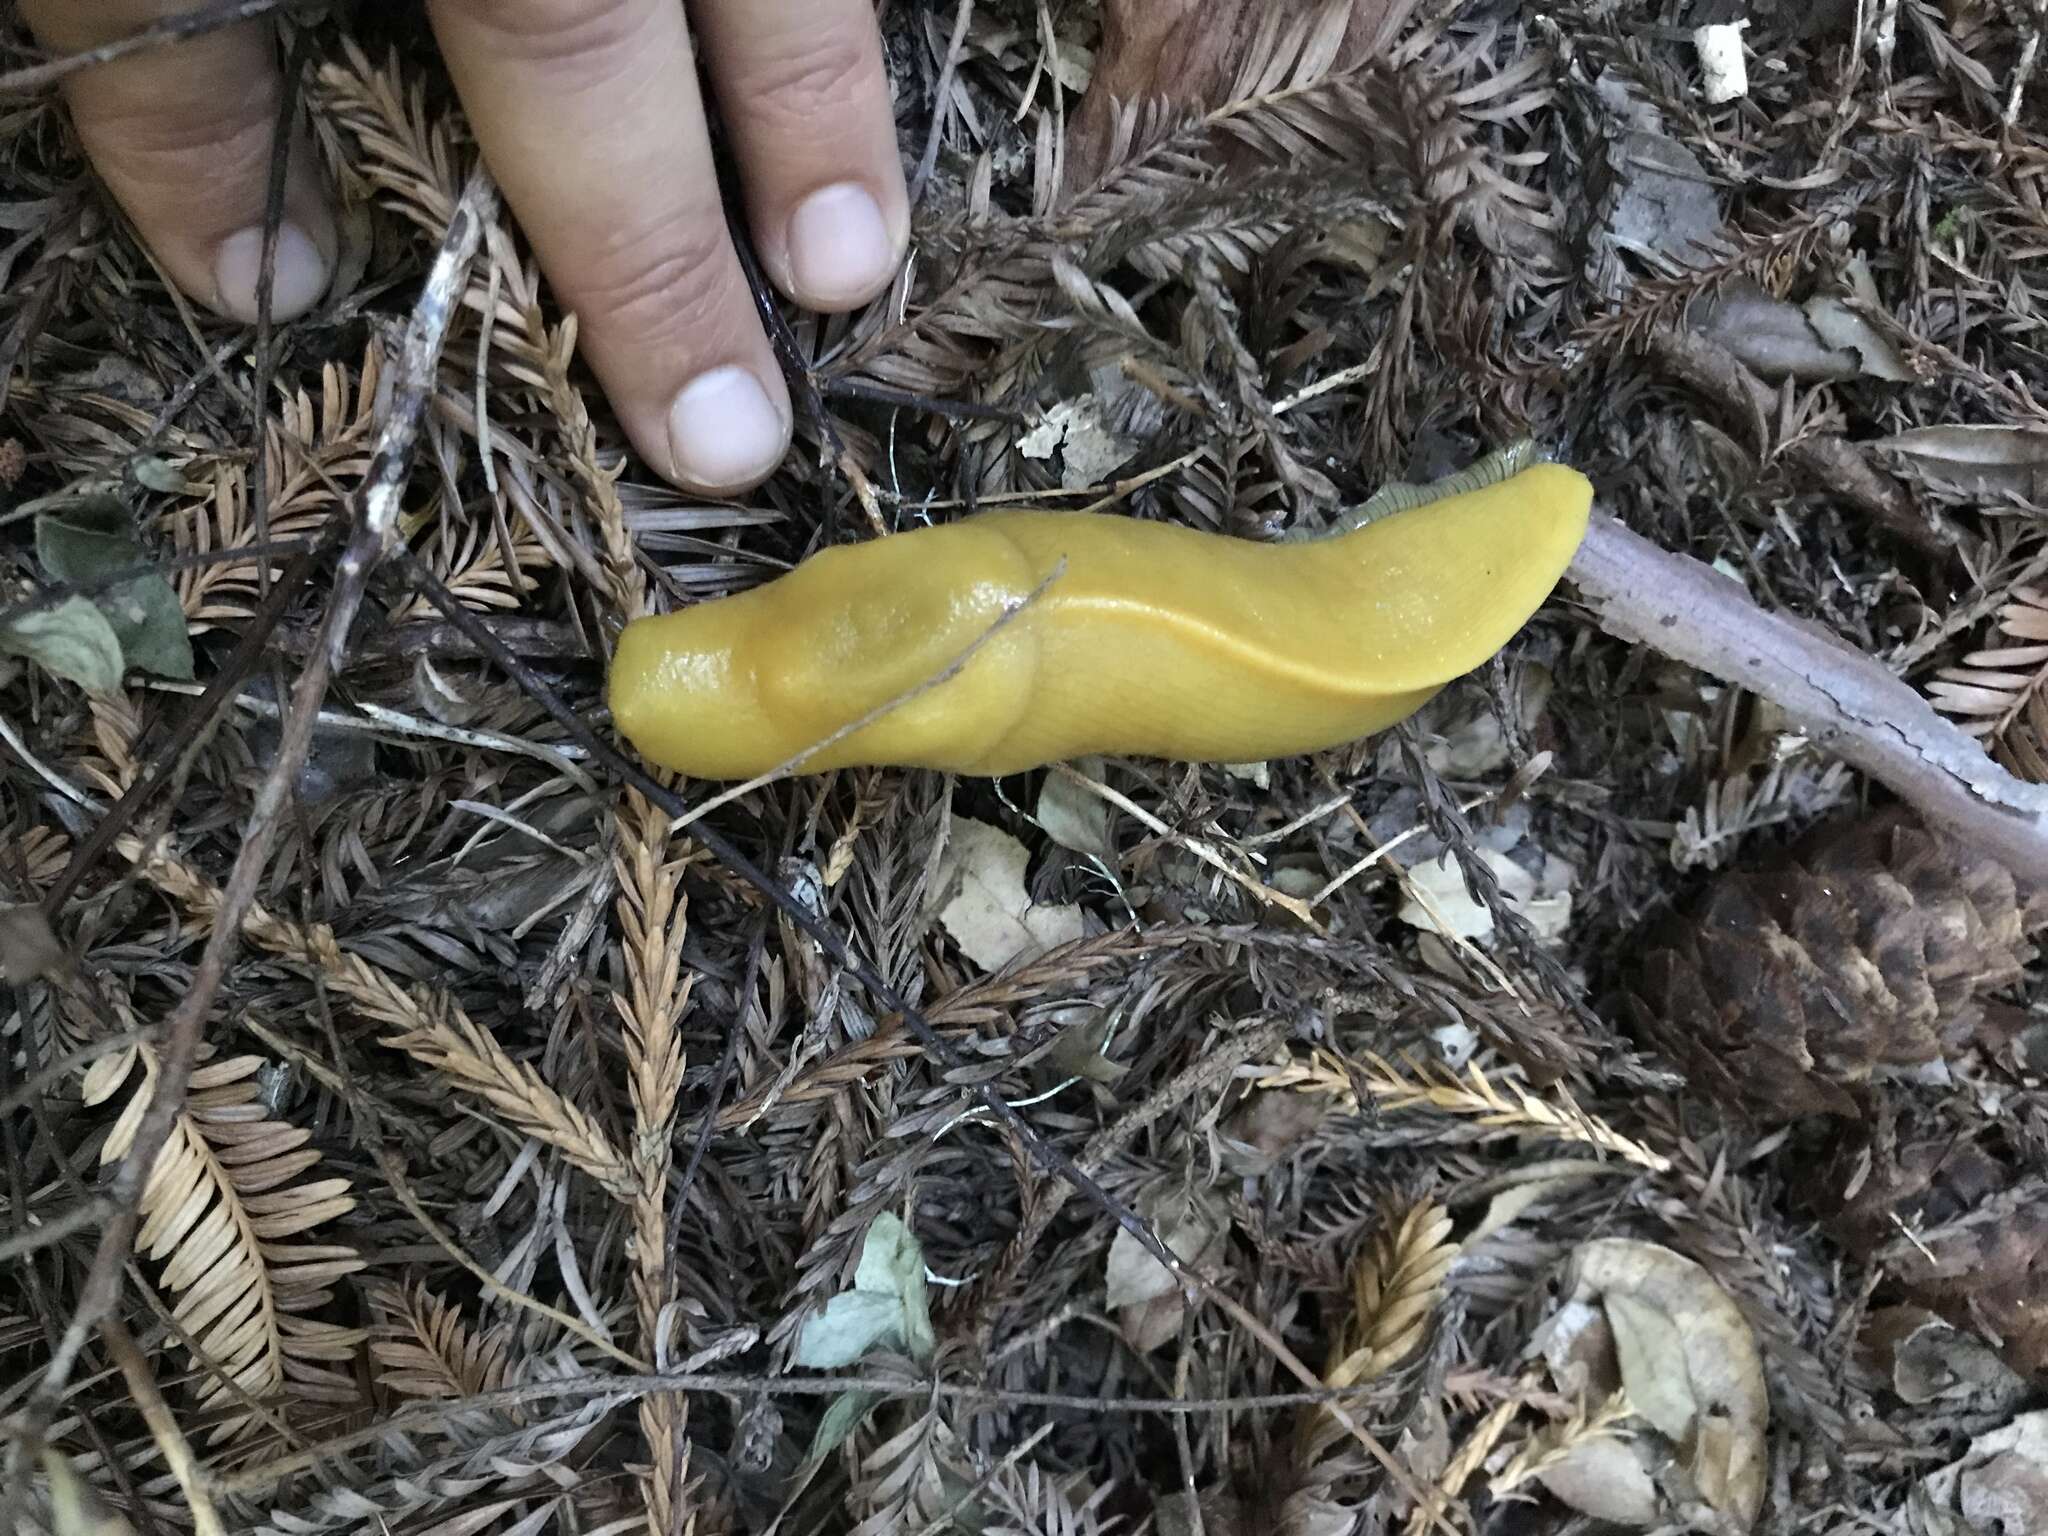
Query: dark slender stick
<point x="728" y="1060"/>
<point x="171" y="29"/>
<point x="266" y="289"/>
<point x="883" y="394"/>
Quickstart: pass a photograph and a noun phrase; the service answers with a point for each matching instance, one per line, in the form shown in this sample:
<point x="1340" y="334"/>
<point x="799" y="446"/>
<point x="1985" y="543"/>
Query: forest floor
<point x="1590" y="1104"/>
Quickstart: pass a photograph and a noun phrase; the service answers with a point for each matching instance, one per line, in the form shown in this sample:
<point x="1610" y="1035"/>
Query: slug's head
<point x="738" y="686"/>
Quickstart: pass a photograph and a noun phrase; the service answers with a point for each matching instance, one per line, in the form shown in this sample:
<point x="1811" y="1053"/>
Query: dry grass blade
<point x="220" y="1201"/>
<point x="1473" y="1094"/>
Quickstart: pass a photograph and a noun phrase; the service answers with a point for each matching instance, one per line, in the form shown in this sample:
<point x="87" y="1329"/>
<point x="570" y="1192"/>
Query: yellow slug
<point x="1151" y="640"/>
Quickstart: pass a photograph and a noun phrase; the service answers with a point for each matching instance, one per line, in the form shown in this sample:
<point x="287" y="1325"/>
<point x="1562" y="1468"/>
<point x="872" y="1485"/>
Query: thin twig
<point x="956" y="46"/>
<point x="170" y="29"/>
<point x="624" y="1389"/>
<point x="163" y="1427"/>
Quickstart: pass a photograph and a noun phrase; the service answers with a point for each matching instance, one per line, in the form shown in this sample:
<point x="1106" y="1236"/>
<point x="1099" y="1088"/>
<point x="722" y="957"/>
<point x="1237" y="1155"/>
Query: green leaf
<point x="892" y="1263"/>
<point x="839" y="1421"/>
<point x="852" y="1323"/>
<point x="84" y="542"/>
<point x="72" y="640"/>
<point x="155" y="474"/>
<point x="888" y="1305"/>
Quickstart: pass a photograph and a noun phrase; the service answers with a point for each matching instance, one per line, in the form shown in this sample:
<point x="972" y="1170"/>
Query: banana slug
<point x="1151" y="640"/>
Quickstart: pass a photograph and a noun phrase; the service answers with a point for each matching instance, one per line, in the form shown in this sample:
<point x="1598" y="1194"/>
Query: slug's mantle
<point x="1148" y="640"/>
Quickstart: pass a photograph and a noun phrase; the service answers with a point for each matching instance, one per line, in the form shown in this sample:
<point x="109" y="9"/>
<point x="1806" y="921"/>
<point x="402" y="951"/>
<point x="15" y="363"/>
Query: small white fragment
<point x="1258" y="775"/>
<point x="1721" y="62"/>
<point x="1088" y="449"/>
<point x="1456" y="1042"/>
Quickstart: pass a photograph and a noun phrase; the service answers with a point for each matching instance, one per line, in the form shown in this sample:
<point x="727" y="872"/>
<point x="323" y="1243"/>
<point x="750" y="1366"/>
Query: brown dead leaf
<point x="1137" y="1287"/>
<point x="1922" y="1358"/>
<point x="28" y="949"/>
<point x="1977" y="460"/>
<point x="1267" y="1126"/>
<point x="2001" y="1484"/>
<point x="1776" y="339"/>
<point x="1657" y="1325"/>
<point x="1840" y="325"/>
<point x="1605" y="1478"/>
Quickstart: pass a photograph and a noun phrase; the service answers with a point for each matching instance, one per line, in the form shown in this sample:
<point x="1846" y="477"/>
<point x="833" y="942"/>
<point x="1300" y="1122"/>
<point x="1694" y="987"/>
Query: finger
<point x="588" y="114"/>
<point x="806" y="100"/>
<point x="181" y="137"/>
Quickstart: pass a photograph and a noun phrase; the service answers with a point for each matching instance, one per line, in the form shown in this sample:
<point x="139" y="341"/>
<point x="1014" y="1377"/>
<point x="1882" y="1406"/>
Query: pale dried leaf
<point x="987" y="910"/>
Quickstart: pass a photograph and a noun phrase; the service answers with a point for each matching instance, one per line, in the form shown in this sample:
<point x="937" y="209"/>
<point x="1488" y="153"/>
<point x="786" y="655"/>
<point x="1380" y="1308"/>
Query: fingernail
<point x="298" y="277"/>
<point x="724" y="430"/>
<point x="839" y="247"/>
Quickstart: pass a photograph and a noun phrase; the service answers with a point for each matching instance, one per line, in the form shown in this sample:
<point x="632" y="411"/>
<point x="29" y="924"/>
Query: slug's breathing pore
<point x="1148" y="640"/>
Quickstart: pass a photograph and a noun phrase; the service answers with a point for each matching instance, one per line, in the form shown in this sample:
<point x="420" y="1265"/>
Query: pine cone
<point x="1868" y="950"/>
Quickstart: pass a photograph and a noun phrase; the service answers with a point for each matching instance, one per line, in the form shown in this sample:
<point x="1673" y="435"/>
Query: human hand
<point x="589" y="116"/>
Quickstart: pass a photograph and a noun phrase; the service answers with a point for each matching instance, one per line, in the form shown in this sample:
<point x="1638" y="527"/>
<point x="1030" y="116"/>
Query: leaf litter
<point x="517" y="1096"/>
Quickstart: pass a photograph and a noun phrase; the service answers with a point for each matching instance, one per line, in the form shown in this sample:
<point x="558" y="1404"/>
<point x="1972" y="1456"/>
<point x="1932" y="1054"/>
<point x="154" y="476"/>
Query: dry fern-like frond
<point x="481" y="568"/>
<point x="221" y="1199"/>
<point x="1395" y="1285"/>
<point x="449" y="1041"/>
<point x="653" y="922"/>
<point x="1550" y="1446"/>
<point x="1162" y="204"/>
<point x="431" y="1027"/>
<point x="407" y="157"/>
<point x="2001" y="695"/>
<point x="411" y="162"/>
<point x="910" y="1480"/>
<point x="423" y="1348"/>
<point x="1473" y="1094"/>
<point x="309" y="447"/>
<point x="43" y="852"/>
